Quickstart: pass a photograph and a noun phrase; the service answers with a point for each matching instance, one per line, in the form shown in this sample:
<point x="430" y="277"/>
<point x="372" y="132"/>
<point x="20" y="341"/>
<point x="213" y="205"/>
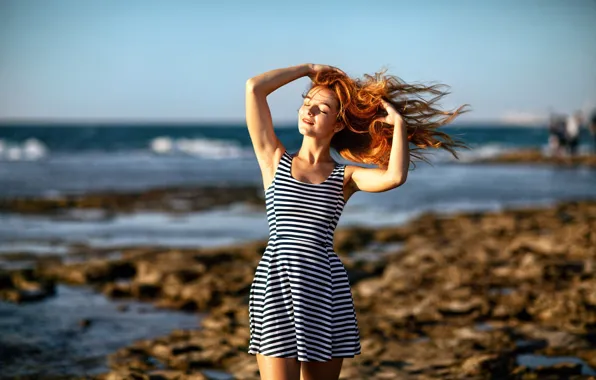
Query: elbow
<point x="399" y="180"/>
<point x="252" y="86"/>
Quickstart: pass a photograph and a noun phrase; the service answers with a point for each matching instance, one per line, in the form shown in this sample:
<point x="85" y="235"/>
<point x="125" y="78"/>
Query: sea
<point x="49" y="160"/>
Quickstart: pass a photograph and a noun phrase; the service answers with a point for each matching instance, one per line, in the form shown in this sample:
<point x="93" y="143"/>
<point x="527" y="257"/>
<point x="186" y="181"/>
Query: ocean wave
<point x="198" y="147"/>
<point x="29" y="150"/>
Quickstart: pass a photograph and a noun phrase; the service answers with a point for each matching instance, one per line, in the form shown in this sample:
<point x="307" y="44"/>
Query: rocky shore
<point x="176" y="199"/>
<point x="535" y="156"/>
<point x="473" y="295"/>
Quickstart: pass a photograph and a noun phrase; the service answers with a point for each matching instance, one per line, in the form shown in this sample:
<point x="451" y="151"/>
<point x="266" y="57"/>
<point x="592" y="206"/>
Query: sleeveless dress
<point x="300" y="302"/>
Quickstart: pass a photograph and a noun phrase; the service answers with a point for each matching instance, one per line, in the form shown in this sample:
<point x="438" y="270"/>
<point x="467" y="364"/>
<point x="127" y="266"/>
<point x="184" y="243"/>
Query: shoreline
<point x="496" y="288"/>
<point x="535" y="156"/>
<point x="193" y="198"/>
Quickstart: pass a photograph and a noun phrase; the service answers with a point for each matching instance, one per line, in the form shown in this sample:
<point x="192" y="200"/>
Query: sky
<point x="188" y="61"/>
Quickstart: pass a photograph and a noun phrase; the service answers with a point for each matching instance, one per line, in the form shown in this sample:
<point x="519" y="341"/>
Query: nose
<point x="309" y="110"/>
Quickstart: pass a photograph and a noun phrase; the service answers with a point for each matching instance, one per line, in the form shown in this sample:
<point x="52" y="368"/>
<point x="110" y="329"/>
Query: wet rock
<point x="560" y="369"/>
<point x="92" y="272"/>
<point x="167" y="199"/>
<point x="534" y="156"/>
<point x="478" y="364"/>
<point x="352" y="239"/>
<point x="127" y="374"/>
<point x="458" y="307"/>
<point x="465" y="294"/>
<point x="25" y="285"/>
<point x="117" y="290"/>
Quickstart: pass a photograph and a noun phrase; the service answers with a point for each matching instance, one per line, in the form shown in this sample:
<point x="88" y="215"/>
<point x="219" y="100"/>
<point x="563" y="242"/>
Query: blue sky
<point x="189" y="60"/>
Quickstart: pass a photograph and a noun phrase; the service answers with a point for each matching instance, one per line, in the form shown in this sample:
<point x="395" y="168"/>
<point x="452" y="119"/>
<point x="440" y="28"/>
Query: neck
<point x="314" y="152"/>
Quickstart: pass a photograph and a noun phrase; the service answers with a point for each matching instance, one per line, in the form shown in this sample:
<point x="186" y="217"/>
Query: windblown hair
<point x="367" y="140"/>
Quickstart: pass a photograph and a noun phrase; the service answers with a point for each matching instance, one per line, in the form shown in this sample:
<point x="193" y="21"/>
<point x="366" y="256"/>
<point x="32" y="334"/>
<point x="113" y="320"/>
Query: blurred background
<point x="122" y="125"/>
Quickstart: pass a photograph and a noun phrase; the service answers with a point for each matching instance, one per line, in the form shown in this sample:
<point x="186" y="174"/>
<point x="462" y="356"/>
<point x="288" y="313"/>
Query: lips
<point x="308" y="121"/>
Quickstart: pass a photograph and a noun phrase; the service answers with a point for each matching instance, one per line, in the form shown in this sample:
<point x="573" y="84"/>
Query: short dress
<point x="300" y="302"/>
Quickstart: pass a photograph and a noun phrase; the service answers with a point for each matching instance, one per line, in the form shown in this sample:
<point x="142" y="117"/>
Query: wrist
<point x="307" y="69"/>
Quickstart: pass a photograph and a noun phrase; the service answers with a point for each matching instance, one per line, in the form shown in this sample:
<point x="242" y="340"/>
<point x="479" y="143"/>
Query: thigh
<point x="278" y="368"/>
<point x="321" y="370"/>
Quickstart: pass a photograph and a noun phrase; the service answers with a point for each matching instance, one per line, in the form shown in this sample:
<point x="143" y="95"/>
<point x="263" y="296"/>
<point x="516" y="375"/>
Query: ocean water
<point x="50" y="160"/>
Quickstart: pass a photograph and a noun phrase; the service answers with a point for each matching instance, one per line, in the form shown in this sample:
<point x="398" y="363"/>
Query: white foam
<point x="34" y="149"/>
<point x="475" y="153"/>
<point x="30" y="150"/>
<point x="161" y="145"/>
<point x="198" y="147"/>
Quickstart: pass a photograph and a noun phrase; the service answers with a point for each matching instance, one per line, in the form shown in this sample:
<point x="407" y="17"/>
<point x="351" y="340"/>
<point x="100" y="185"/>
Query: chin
<point x="305" y="129"/>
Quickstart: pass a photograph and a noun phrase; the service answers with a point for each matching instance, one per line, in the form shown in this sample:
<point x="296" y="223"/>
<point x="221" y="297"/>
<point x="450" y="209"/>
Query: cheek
<point x="326" y="122"/>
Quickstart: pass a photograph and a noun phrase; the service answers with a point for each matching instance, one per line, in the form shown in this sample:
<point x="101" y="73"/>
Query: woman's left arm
<point x="377" y="180"/>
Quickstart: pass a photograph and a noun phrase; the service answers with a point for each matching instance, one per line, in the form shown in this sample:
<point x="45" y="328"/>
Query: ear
<point x="338" y="127"/>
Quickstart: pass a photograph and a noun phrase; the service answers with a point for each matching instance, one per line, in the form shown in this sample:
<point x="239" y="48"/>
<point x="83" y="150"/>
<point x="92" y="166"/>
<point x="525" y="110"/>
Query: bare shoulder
<point x="349" y="169"/>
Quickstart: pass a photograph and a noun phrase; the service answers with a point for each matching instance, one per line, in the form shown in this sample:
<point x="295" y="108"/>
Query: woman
<point x="302" y="319"/>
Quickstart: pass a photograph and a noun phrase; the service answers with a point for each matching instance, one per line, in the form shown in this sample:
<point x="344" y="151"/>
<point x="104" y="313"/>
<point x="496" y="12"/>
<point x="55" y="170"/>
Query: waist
<point x="292" y="238"/>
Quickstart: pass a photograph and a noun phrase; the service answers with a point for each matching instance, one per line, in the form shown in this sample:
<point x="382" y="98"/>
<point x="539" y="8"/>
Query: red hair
<point x="367" y="140"/>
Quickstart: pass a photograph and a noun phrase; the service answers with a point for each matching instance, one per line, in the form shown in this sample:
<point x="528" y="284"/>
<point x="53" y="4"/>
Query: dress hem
<point x="307" y="361"/>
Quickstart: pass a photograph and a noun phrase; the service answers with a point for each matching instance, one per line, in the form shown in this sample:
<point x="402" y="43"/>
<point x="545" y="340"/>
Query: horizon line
<point x="217" y="122"/>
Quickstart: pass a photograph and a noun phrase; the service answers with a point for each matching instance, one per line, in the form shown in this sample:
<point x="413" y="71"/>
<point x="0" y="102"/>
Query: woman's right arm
<point x="267" y="146"/>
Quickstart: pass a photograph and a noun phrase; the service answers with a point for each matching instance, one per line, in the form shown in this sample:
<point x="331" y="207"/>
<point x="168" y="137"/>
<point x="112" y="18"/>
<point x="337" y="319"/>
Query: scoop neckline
<point x="306" y="183"/>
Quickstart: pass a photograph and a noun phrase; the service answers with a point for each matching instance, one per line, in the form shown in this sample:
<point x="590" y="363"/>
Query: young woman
<point x="302" y="318"/>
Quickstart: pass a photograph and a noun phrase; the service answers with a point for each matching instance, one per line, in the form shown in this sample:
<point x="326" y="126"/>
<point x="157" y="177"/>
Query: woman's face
<point x="317" y="116"/>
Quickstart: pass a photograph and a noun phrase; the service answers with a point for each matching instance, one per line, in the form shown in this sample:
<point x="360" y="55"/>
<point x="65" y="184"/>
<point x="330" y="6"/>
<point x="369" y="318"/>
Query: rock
<point x="527" y="274"/>
<point x="92" y="272"/>
<point x="164" y="374"/>
<point x="535" y="156"/>
<point x="560" y="369"/>
<point x="127" y="375"/>
<point x="352" y="239"/>
<point x="476" y="365"/>
<point x="145" y="291"/>
<point x="456" y="307"/>
<point x="25" y="285"/>
<point x="117" y="290"/>
<point x="195" y="376"/>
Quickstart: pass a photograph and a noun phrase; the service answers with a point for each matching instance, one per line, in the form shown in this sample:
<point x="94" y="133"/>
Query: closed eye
<point x="308" y="104"/>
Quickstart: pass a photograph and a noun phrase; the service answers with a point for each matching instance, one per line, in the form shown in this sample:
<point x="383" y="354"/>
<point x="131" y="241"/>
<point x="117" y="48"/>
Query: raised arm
<point x="395" y="174"/>
<point x="267" y="146"/>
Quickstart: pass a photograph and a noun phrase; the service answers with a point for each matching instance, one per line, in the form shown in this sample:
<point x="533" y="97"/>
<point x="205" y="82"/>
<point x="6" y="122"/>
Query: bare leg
<point x="278" y="368"/>
<point x="321" y="370"/>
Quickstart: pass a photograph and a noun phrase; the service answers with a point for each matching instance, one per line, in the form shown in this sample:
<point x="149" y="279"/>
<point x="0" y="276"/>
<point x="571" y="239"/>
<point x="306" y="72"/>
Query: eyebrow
<point x="308" y="97"/>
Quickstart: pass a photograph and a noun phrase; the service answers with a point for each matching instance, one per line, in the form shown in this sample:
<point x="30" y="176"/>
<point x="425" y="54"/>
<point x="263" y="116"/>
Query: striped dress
<point x="300" y="303"/>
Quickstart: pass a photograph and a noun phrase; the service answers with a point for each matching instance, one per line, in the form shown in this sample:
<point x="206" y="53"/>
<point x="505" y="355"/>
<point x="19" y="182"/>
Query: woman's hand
<point x="393" y="117"/>
<point x="314" y="69"/>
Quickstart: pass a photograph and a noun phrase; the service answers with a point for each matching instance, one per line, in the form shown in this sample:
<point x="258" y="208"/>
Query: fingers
<point x="340" y="71"/>
<point x="336" y="69"/>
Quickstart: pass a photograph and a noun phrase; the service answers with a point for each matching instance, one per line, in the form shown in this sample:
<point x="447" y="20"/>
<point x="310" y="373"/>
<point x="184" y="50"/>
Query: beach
<point x="139" y="266"/>
<point x="142" y="235"/>
<point x="476" y="294"/>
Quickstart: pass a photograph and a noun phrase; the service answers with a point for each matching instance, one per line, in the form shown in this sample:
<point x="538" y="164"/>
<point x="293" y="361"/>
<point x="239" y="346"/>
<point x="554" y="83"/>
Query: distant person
<point x="593" y="130"/>
<point x="557" y="140"/>
<point x="301" y="312"/>
<point x="572" y="132"/>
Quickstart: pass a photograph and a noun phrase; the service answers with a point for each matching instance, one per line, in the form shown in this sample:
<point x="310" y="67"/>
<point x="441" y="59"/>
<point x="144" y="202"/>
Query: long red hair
<point x="367" y="140"/>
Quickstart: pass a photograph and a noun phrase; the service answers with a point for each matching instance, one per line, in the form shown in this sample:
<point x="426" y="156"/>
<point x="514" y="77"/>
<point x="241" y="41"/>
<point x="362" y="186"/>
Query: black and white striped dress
<point x="300" y="303"/>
